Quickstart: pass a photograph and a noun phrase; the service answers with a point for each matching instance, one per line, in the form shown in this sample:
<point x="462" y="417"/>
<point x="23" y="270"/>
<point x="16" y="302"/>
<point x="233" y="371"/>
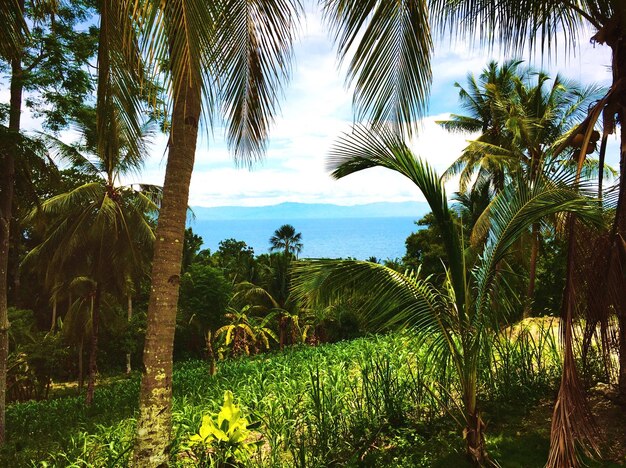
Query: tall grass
<point x="314" y="407"/>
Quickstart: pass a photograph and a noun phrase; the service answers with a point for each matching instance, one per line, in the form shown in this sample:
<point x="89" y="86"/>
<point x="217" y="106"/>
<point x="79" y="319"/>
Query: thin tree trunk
<point x="618" y="47"/>
<point x="81" y="374"/>
<point x="154" y="422"/>
<point x="474" y="432"/>
<point x="54" y="313"/>
<point x="532" y="270"/>
<point x="281" y="327"/>
<point x="93" y="347"/>
<point x="130" y="316"/>
<point x="7" y="179"/>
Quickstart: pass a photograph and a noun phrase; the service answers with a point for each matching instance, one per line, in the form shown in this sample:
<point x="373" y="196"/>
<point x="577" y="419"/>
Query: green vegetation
<point x="98" y="271"/>
<point x="372" y="399"/>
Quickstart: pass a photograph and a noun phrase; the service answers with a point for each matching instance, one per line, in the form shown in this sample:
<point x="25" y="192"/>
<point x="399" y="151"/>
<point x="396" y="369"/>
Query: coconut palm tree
<point x="94" y="231"/>
<point x="542" y="25"/>
<point x="227" y="55"/>
<point x="455" y="319"/>
<point x="481" y="99"/>
<point x="233" y="55"/>
<point x="286" y="238"/>
<point x="524" y="120"/>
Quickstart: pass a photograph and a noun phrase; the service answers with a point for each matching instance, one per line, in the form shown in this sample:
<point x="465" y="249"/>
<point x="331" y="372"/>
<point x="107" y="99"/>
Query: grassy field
<point x="366" y="402"/>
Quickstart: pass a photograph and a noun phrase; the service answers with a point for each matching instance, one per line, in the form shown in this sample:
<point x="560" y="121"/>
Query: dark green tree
<point x="425" y="249"/>
<point x="52" y="55"/>
<point x="191" y="248"/>
<point x="204" y="297"/>
<point x="236" y="259"/>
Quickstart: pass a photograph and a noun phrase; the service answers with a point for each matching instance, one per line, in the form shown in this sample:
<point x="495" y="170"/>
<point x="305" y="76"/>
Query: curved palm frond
<point x="393" y="299"/>
<point x="364" y="148"/>
<point x="13" y="29"/>
<point x="254" y="43"/>
<point x="514" y="24"/>
<point x="390" y="65"/>
<point x="520" y="205"/>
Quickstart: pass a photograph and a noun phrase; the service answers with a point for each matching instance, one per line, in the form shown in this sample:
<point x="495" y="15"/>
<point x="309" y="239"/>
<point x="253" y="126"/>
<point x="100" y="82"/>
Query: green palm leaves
<point x="522" y="117"/>
<point x="390" y="65"/>
<point x="458" y="316"/>
<point x="13" y="29"/>
<point x="363" y="148"/>
<point x="286" y="238"/>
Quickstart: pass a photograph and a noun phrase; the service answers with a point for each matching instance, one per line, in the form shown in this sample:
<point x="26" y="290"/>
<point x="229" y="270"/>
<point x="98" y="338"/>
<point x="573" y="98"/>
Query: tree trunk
<point x="475" y="440"/>
<point x="54" y="313"/>
<point x="155" y="401"/>
<point x="7" y="179"/>
<point x="93" y="347"/>
<point x="81" y="374"/>
<point x="282" y="331"/>
<point x="130" y="316"/>
<point x="618" y="48"/>
<point x="532" y="271"/>
<point x="474" y="432"/>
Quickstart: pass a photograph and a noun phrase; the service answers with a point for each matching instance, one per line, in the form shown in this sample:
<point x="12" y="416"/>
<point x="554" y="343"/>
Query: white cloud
<point x="316" y="109"/>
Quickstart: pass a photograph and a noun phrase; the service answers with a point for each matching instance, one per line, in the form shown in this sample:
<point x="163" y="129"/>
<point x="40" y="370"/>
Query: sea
<point x="359" y="238"/>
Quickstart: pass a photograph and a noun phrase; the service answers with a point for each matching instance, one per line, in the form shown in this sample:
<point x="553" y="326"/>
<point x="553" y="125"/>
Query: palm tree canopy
<point x="287" y="239"/>
<point x="514" y="24"/>
<point x="522" y="116"/>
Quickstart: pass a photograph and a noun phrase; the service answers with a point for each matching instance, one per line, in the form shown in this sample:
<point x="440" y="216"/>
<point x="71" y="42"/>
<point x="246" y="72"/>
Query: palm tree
<point x="286" y="238"/>
<point x="235" y="54"/>
<point x="542" y="25"/>
<point x="456" y="318"/>
<point x="482" y="99"/>
<point x="94" y="230"/>
<point x="230" y="55"/>
<point x="524" y="120"/>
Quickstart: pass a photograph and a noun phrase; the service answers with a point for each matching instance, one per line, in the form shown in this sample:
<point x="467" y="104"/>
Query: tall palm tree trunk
<point x="7" y="180"/>
<point x="532" y="270"/>
<point x="617" y="42"/>
<point x="129" y="318"/>
<point x="93" y="346"/>
<point x="155" y="400"/>
<point x="81" y="374"/>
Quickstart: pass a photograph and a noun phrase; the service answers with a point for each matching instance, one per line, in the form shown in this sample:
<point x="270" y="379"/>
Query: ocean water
<point x="359" y="238"/>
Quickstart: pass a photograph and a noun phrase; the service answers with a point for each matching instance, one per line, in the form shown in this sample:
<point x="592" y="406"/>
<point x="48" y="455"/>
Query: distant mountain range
<point x="287" y="211"/>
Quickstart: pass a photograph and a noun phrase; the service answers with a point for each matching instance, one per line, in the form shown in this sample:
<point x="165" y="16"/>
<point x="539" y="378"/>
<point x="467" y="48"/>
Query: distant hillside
<point x="312" y="211"/>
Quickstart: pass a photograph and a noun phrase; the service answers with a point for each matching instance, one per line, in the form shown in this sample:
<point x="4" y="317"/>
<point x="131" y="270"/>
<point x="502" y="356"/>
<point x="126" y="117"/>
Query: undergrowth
<point x="366" y="402"/>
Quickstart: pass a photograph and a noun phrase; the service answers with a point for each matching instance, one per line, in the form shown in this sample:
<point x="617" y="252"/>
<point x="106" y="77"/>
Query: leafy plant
<point x="225" y="441"/>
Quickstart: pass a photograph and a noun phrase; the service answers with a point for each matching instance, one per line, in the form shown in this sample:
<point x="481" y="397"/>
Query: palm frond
<point x="255" y="41"/>
<point x="515" y="24"/>
<point x="520" y="205"/>
<point x="391" y="63"/>
<point x="363" y="148"/>
<point x="393" y="299"/>
<point x="13" y="29"/>
<point x="179" y="40"/>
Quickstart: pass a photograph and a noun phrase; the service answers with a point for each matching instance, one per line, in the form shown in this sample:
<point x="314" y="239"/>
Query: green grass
<point x="367" y="402"/>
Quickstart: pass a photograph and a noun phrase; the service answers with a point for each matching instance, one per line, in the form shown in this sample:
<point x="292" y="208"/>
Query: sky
<point x="316" y="109"/>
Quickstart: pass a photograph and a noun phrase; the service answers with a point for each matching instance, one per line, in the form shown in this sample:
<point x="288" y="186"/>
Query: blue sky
<point x="316" y="109"/>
